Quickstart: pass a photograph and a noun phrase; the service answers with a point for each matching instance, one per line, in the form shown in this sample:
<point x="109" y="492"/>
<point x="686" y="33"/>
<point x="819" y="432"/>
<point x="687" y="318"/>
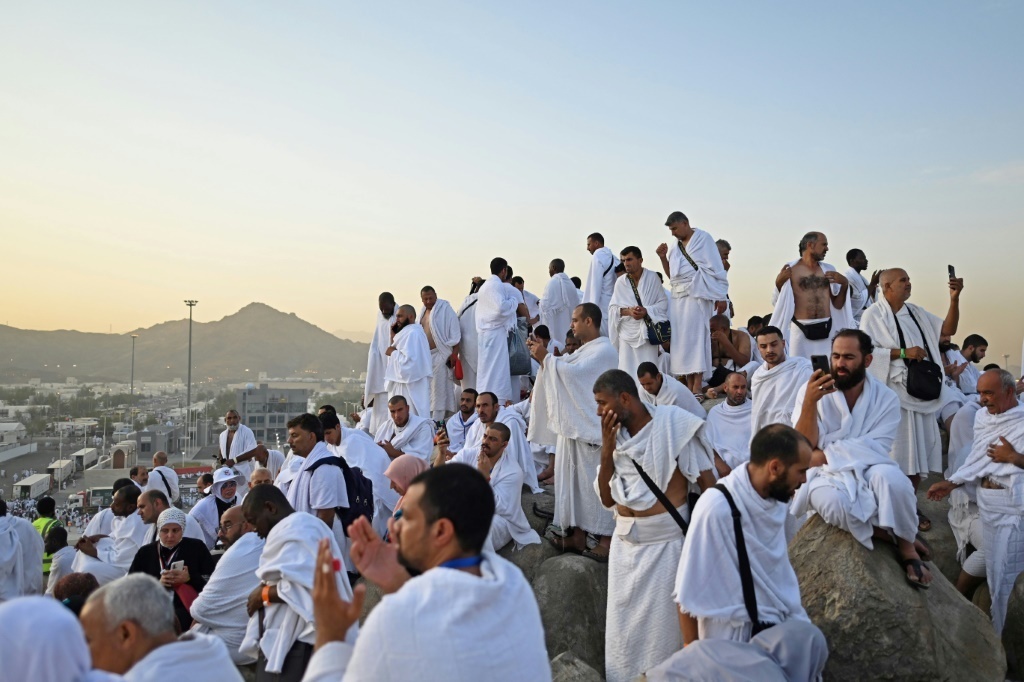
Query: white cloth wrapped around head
<point x="171" y="515"/>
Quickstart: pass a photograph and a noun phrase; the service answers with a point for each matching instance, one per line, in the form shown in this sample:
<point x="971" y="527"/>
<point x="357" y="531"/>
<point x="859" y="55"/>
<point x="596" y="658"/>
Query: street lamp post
<point x="131" y="398"/>
<point x="60" y="433"/>
<point x="188" y="390"/>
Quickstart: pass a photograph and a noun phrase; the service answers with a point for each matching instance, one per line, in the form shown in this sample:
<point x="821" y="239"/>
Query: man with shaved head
<point x="811" y="300"/>
<point x="558" y="300"/>
<point x="375" y="394"/>
<point x="409" y="365"/>
<point x="905" y="334"/>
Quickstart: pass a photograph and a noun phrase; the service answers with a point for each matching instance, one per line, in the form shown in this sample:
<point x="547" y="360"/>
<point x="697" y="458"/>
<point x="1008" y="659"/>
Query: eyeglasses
<point x="225" y="527"/>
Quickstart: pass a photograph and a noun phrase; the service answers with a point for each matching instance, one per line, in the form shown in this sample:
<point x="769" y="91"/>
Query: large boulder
<point x="544" y="501"/>
<point x="572" y="593"/>
<point x="1013" y="629"/>
<point x="881" y="628"/>
<point x="529" y="558"/>
<point x="568" y="667"/>
<point x="940" y="538"/>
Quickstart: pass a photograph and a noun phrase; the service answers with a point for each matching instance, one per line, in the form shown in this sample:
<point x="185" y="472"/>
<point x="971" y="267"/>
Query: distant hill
<point x="257" y="337"/>
<point x="358" y="337"/>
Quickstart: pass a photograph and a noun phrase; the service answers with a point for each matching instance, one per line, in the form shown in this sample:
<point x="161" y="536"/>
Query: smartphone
<point x="177" y="565"/>
<point x="821" y="362"/>
<point x="952" y="272"/>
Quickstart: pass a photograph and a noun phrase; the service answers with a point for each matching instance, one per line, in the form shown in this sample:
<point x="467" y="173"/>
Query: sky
<point x="309" y="155"/>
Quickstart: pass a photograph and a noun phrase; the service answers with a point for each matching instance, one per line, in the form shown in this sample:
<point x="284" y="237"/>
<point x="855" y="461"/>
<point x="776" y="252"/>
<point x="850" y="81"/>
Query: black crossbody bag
<point x="657" y="332"/>
<point x="746" y="577"/>
<point x="924" y="377"/>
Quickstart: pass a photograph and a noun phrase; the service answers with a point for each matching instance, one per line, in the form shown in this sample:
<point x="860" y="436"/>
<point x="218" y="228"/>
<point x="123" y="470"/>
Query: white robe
<point x="629" y="336"/>
<point x="859" y="487"/>
<point x="376" y="363"/>
<point x="729" y="432"/>
<point x="532" y="303"/>
<point x="457" y="428"/>
<point x="858" y="293"/>
<point x="193" y="656"/>
<point x="773" y="391"/>
<point x="275" y="460"/>
<point x="518" y="448"/>
<point x="60" y="566"/>
<point x="645" y="551"/>
<point x="243" y="441"/>
<point x="917" y="448"/>
<point x="409" y="369"/>
<point x="495" y="318"/>
<point x="21" y="558"/>
<point x="564" y="414"/>
<point x="694" y="293"/>
<point x="101" y="523"/>
<point x="673" y="392"/>
<point x="968" y="383"/>
<point x="433" y="627"/>
<point x="288" y="561"/>
<point x="557" y="304"/>
<point x="469" y="349"/>
<point x="206" y="514"/>
<point x="114" y="554"/>
<point x="289" y="471"/>
<point x="415" y="438"/>
<point x="320" y="489"/>
<point x="446" y="332"/>
<point x="219" y="609"/>
<point x="1002" y="511"/>
<point x="708" y="583"/>
<point x="785" y="309"/>
<point x="509" y="523"/>
<point x="359" y="450"/>
<point x="156" y="482"/>
<point x="601" y="283"/>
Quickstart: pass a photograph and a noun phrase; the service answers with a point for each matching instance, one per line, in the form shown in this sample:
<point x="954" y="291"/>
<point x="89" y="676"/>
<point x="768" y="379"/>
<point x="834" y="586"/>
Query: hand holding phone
<point x="821" y="362"/>
<point x="952" y="272"/>
<point x="177" y="565"/>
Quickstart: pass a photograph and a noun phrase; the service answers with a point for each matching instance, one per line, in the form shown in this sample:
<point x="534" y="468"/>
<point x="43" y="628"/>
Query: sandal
<point x="599" y="557"/>
<point x="924" y="524"/>
<point x="561" y="545"/>
<point x="543" y="513"/>
<point x="917" y="566"/>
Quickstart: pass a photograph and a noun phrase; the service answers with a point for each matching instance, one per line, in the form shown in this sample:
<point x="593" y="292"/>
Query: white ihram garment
<point x="1001" y="510"/>
<point x="243" y="441"/>
<point x="964" y="517"/>
<point x="359" y="450"/>
<point x="708" y="583"/>
<point x="556" y="305"/>
<point x="288" y="561"/>
<point x="629" y="336"/>
<point x="60" y="566"/>
<point x="600" y="283"/>
<point x="446" y="333"/>
<point x="457" y="429"/>
<point x="469" y="349"/>
<point x="773" y="391"/>
<point x="694" y="293"/>
<point x="21" y="558"/>
<point x="564" y="414"/>
<point x="219" y="609"/>
<point x="673" y="392"/>
<point x="495" y="318"/>
<point x="729" y="432"/>
<point x="917" y="448"/>
<point x="114" y="554"/>
<point x="376" y="363"/>
<point x="433" y="628"/>
<point x="645" y="551"/>
<point x="509" y="523"/>
<point x="785" y="309"/>
<point x="409" y="369"/>
<point x="415" y="438"/>
<point x="859" y="487"/>
<point x="157" y="482"/>
<point x="518" y="448"/>
<point x="858" y="293"/>
<point x="193" y="656"/>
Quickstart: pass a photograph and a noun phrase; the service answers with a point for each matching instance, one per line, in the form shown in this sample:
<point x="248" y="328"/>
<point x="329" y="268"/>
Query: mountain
<point x="257" y="338"/>
<point x="358" y="337"/>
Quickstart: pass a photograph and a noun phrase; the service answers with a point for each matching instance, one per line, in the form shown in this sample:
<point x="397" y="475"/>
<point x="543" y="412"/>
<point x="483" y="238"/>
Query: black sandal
<point x="918" y="566"/>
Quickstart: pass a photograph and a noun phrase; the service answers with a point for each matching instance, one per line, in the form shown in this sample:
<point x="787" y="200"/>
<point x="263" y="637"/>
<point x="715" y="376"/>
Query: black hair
<point x="307" y="422"/>
<point x="462" y="495"/>
<point x="863" y="340"/>
<point x="776" y="441"/>
<point x="591" y="311"/>
<point x="616" y="382"/>
<point x="647" y="368"/>
<point x="329" y="421"/>
<point x="46" y="506"/>
<point x="497" y="265"/>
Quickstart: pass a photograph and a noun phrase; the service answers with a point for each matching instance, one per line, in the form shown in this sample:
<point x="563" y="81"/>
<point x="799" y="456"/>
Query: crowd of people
<point x="592" y="393"/>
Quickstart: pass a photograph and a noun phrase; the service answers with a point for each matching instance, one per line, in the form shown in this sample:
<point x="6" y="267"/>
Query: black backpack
<point x="358" y="487"/>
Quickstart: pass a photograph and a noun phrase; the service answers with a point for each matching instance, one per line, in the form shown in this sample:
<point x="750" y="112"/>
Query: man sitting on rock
<point x="851" y="419"/>
<point x="659" y="388"/>
<point x="668" y="444"/>
<point x="729" y="425"/>
<point x="709" y="583"/>
<point x="996" y="465"/>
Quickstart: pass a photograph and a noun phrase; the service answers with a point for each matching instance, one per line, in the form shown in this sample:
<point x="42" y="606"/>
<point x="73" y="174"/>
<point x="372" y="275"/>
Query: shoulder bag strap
<point x="166" y="485"/>
<point x="682" y="249"/>
<point x="924" y="339"/>
<point x="636" y="293"/>
<point x="662" y="497"/>
<point x="471" y="304"/>
<point x="746" y="577"/>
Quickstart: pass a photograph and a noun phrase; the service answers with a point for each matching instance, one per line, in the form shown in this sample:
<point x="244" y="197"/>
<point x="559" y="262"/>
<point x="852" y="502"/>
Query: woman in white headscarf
<point x="40" y="639"/>
<point x="220" y="497"/>
<point x="178" y="562"/>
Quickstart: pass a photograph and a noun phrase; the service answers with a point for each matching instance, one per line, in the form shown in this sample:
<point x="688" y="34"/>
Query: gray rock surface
<point x="572" y="593"/>
<point x="567" y="667"/>
<point x="881" y="628"/>
<point x="1013" y="630"/>
<point x="940" y="537"/>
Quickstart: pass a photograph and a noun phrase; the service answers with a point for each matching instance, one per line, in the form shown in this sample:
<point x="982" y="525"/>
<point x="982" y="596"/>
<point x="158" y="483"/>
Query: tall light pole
<point x="131" y="398"/>
<point x="188" y="390"/>
<point x="60" y="432"/>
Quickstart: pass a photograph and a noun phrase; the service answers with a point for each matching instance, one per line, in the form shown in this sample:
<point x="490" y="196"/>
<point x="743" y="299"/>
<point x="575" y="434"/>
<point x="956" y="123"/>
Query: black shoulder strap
<point x="471" y="304"/>
<point x="166" y="485"/>
<point x="682" y="249"/>
<point x="336" y="461"/>
<point x="662" y="497"/>
<point x="746" y="577"/>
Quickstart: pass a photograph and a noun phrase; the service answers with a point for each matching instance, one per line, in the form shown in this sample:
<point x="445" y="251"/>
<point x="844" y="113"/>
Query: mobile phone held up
<point x="821" y="362"/>
<point x="952" y="271"/>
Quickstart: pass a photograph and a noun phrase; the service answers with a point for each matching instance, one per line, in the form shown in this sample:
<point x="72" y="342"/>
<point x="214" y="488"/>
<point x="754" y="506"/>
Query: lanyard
<point x="170" y="559"/>
<point x="465" y="562"/>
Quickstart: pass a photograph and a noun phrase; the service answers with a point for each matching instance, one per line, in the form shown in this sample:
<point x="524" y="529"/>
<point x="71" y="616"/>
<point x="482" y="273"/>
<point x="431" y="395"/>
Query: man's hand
<point x="1004" y="453"/>
<point x="874" y="278"/>
<point x="819" y="385"/>
<point x="955" y="370"/>
<point x="255" y="601"/>
<point x="354" y="416"/>
<point x="955" y="287"/>
<point x="333" y="615"/>
<point x="537" y="350"/>
<point x="721" y="307"/>
<point x="915" y="353"/>
<point x="484" y="464"/>
<point x="376" y="560"/>
<point x="721" y="337"/>
<point x="662" y="250"/>
<point x="940" y="490"/>
<point x="835" y="278"/>
<point x="711" y="394"/>
<point x="784" y="276"/>
<point x="86" y="546"/>
<point x="609" y="428"/>
<point x="391" y="349"/>
<point x="389" y="448"/>
<point x="818" y="457"/>
<point x="638" y="313"/>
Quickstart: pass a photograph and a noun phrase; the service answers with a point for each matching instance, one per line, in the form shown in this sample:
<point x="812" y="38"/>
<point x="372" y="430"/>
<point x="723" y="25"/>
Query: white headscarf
<point x="170" y="516"/>
<point x="59" y="655"/>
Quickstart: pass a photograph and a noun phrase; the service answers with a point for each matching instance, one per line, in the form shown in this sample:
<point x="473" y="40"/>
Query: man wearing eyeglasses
<point x="219" y="609"/>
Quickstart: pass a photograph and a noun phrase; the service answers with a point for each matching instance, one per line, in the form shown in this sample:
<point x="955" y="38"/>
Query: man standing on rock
<point x="375" y="395"/>
<point x="441" y="325"/>
<point x="668" y="444"/>
<point x="851" y="420"/>
<point x="710" y="582"/>
<point x="564" y="414"/>
<point x="996" y="465"/>
<point x="409" y="368"/>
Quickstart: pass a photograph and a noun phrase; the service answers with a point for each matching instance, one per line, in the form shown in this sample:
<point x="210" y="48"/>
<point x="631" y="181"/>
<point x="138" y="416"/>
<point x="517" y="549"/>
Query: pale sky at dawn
<point x="309" y="155"/>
